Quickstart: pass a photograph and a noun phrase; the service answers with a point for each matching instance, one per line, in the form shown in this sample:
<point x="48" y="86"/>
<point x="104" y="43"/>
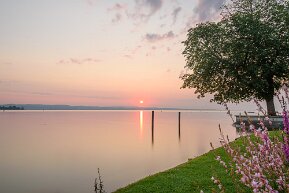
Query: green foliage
<point x="244" y="55"/>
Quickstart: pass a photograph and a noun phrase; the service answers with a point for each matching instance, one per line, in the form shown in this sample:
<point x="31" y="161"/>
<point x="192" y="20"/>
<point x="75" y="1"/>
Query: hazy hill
<point x="69" y="107"/>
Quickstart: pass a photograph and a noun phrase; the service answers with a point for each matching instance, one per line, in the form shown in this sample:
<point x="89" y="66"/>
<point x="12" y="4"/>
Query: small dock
<point x="277" y="121"/>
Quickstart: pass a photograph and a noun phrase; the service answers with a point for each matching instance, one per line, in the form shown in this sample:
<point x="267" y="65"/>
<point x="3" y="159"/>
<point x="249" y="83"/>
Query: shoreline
<point x="191" y="176"/>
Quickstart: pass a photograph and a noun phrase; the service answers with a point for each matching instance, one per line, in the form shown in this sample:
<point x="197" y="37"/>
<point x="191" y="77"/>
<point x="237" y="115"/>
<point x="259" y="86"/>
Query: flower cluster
<point x="262" y="163"/>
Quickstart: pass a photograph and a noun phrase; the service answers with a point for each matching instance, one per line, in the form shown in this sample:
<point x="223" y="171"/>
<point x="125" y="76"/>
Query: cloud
<point x="152" y="6"/>
<point x="117" y="18"/>
<point x="208" y="9"/>
<point x="175" y="14"/>
<point x="140" y="12"/>
<point x="153" y="37"/>
<point x="144" y="9"/>
<point x="118" y="7"/>
<point x="119" y="10"/>
<point x="79" y="61"/>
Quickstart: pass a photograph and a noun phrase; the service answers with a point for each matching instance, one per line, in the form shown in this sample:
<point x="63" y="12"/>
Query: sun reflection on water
<point x="141" y="122"/>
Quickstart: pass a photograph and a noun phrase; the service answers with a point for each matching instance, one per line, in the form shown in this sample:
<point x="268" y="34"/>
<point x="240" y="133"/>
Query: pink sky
<point x="96" y="52"/>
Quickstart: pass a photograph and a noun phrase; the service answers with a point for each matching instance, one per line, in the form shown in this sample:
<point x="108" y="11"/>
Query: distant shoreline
<point x="70" y="107"/>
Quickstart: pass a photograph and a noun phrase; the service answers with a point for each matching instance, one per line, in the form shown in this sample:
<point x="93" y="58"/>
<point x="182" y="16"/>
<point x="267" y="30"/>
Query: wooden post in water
<point x="153" y="121"/>
<point x="179" y="119"/>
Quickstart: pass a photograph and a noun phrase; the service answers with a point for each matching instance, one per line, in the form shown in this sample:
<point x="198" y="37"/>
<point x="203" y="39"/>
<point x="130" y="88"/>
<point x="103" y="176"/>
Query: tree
<point x="243" y="56"/>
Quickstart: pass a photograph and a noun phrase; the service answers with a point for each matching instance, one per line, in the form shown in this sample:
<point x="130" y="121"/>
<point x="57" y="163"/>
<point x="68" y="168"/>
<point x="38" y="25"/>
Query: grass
<point x="192" y="176"/>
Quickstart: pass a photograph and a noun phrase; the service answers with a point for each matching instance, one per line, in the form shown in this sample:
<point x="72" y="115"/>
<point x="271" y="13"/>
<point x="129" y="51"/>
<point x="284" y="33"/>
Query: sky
<point x="98" y="52"/>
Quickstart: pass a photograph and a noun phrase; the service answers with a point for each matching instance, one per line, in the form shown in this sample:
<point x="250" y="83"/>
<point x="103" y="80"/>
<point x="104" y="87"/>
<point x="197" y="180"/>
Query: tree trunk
<point x="270" y="106"/>
<point x="270" y="96"/>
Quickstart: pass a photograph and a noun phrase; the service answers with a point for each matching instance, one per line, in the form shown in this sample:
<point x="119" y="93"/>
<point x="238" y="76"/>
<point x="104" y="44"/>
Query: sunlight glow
<point x="141" y="102"/>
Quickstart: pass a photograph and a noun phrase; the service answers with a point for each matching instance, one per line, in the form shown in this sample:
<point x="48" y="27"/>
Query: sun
<point x="141" y="101"/>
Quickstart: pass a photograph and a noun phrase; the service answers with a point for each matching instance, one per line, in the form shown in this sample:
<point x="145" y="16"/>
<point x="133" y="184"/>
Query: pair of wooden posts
<point x="153" y="123"/>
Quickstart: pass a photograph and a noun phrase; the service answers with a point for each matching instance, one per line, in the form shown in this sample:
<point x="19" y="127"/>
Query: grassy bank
<point x="192" y="176"/>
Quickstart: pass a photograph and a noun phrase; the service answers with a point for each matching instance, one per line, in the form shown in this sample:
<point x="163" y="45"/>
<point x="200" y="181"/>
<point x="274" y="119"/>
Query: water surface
<point x="60" y="151"/>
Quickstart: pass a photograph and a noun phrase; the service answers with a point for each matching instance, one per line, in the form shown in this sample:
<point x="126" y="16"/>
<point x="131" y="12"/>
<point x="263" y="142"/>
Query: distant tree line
<point x="11" y="108"/>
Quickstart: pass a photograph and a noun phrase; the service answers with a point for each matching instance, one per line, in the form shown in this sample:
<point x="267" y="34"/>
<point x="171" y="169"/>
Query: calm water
<point x="60" y="151"/>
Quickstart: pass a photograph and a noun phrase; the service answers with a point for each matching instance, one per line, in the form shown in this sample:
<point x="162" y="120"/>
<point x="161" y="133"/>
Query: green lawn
<point x="192" y="176"/>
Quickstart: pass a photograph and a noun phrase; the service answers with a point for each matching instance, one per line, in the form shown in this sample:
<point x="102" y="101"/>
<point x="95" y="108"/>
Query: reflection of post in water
<point x="153" y="120"/>
<point x="179" y="118"/>
<point x="141" y="121"/>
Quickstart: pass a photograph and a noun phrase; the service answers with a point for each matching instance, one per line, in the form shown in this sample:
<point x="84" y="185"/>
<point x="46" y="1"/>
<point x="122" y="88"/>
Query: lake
<point x="60" y="151"/>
